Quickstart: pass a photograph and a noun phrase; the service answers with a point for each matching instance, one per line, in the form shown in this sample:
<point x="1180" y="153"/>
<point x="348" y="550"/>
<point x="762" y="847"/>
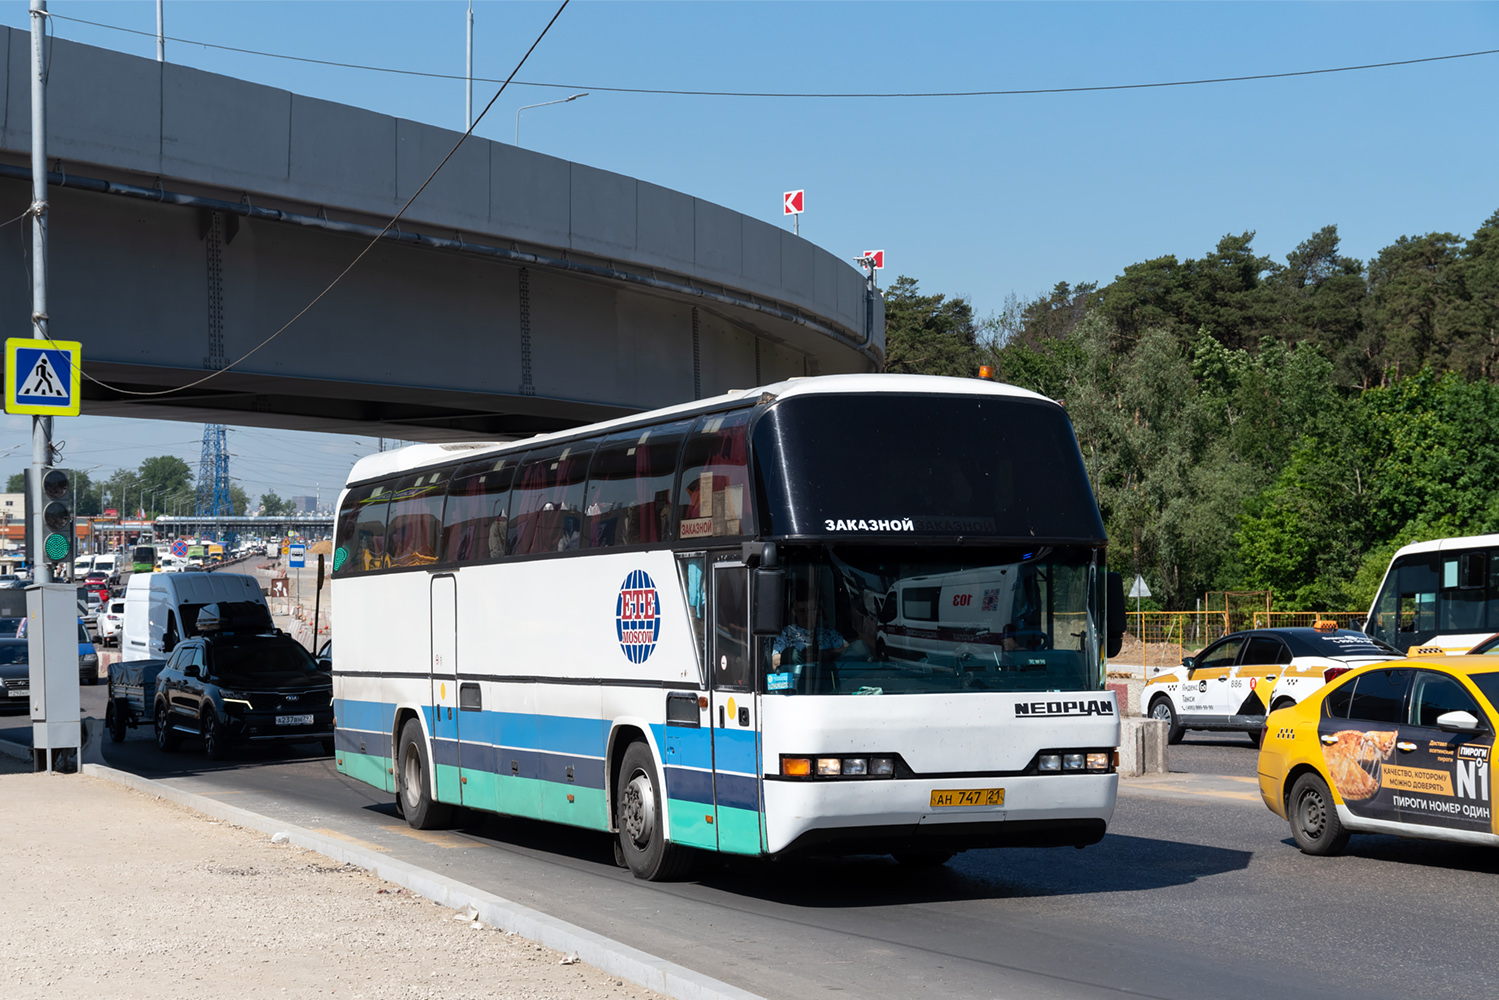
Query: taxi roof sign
<point x="43" y="377"/>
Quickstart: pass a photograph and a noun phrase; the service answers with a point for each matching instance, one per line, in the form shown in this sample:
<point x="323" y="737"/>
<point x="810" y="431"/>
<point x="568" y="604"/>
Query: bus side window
<point x="629" y="487"/>
<point x="692" y="569"/>
<point x="714" y="498"/>
<point x="360" y="531"/>
<point x="477" y="515"/>
<point x="415" y="521"/>
<point x="547" y="510"/>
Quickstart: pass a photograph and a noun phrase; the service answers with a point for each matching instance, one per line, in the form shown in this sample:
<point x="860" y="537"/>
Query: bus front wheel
<point x="642" y="827"/>
<point x="422" y="811"/>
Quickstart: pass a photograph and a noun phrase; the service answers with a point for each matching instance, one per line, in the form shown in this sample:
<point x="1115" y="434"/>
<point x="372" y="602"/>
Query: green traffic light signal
<point x="57" y="516"/>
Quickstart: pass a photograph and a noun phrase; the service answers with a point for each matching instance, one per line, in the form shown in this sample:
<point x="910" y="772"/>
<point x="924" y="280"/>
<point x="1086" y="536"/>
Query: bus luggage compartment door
<point x="444" y="666"/>
<point x="736" y="779"/>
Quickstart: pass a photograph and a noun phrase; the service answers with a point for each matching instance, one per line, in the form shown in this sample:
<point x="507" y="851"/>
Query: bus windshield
<point x="897" y="620"/>
<point x="1429" y="595"/>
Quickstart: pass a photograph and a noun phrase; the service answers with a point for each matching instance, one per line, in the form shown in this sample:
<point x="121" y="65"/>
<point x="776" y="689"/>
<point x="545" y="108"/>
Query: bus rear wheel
<point x="422" y="811"/>
<point x="642" y="827"/>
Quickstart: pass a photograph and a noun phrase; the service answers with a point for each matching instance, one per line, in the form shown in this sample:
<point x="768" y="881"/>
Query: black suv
<point x="240" y="680"/>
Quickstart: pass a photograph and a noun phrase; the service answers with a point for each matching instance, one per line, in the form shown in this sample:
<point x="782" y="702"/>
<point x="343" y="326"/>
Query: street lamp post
<point x="543" y="104"/>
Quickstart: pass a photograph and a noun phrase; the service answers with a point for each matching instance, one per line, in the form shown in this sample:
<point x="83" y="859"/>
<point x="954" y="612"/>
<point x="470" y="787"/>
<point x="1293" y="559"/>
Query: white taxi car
<point x="1232" y="684"/>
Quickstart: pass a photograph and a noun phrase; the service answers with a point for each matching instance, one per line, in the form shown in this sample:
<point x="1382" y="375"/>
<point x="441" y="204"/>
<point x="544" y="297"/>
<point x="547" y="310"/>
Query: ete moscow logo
<point x="637" y="617"/>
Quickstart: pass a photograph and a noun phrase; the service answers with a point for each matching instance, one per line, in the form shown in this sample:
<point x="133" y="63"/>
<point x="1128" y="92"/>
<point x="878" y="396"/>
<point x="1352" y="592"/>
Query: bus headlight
<point x="1098" y="761"/>
<point x="1049" y="762"/>
<point x="1072" y="762"/>
<point x="837" y="767"/>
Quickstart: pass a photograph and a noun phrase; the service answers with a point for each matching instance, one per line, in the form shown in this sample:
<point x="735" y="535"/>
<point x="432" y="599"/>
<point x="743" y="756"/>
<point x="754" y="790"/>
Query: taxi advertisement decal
<point x="1411" y="775"/>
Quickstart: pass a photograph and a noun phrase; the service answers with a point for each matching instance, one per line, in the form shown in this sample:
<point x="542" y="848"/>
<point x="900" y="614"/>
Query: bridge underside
<point x="432" y="337"/>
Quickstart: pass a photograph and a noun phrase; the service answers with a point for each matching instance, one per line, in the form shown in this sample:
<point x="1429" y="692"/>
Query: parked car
<point x="10" y="627"/>
<point x="15" y="675"/>
<point x="325" y="657"/>
<point x="240" y="680"/>
<point x="1230" y="685"/>
<point x="1398" y="748"/>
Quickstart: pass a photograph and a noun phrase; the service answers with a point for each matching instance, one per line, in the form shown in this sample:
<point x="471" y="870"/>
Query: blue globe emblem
<point x="637" y="617"/>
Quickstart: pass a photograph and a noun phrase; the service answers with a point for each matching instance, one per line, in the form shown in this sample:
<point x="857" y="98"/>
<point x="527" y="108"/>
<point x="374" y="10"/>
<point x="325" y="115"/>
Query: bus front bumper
<point x="879" y="817"/>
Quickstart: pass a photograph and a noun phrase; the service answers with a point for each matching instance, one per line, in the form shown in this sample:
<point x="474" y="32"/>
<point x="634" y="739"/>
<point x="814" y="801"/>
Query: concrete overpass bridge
<point x="193" y="214"/>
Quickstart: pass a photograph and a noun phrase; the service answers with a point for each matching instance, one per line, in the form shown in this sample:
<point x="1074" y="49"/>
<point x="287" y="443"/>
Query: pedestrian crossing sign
<point x="43" y="377"/>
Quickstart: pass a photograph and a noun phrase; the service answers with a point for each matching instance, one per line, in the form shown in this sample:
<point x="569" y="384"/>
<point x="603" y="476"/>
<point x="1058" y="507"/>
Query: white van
<point x="105" y="564"/>
<point x="82" y="566"/>
<point x="162" y="608"/>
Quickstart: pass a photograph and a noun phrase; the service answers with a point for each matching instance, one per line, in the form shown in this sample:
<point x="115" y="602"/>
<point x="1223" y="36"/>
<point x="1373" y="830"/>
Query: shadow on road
<point x="1117" y="864"/>
<point x="1408" y="852"/>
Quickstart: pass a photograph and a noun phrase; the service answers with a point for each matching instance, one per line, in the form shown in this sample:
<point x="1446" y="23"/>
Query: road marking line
<point x="336" y="835"/>
<point x="1179" y="790"/>
<point x="427" y="836"/>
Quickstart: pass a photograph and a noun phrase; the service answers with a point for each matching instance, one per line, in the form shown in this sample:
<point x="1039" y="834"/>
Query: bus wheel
<point x="1161" y="709"/>
<point x="422" y="811"/>
<point x="642" y="836"/>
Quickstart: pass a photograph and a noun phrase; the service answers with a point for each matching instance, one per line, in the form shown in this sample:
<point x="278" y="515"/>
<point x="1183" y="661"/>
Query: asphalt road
<point x="1191" y="895"/>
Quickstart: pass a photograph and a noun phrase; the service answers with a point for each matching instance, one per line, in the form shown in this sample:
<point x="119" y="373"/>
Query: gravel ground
<point x="109" y="892"/>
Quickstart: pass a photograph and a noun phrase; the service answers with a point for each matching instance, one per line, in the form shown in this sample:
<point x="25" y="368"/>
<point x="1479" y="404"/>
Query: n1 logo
<point x="1473" y="780"/>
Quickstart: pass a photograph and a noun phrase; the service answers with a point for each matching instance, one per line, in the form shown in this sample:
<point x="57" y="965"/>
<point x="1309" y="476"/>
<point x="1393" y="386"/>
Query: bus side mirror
<point x="767" y="601"/>
<point x="1114" y="602"/>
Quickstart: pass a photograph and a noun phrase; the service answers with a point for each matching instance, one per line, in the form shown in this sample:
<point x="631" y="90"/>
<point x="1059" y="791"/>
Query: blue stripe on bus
<point x="370" y="716"/>
<point x="491" y="740"/>
<point x="740" y="791"/>
<point x="588" y="772"/>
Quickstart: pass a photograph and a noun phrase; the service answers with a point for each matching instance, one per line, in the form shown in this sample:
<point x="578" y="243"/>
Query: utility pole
<point x="161" y="37"/>
<point x="468" y="100"/>
<point x="41" y="427"/>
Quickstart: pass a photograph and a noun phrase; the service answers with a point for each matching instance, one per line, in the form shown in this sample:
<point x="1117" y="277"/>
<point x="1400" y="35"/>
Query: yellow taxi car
<point x="1401" y="747"/>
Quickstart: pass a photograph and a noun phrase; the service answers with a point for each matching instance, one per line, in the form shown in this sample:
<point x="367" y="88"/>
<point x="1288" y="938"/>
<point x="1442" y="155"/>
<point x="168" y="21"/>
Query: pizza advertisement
<point x="1413" y="775"/>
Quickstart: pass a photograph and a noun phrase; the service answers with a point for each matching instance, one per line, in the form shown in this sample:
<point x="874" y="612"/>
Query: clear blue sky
<point x="975" y="196"/>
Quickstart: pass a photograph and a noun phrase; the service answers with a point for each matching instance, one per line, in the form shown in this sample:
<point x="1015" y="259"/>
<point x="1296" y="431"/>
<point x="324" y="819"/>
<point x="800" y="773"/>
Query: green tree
<point x="929" y="334"/>
<point x="164" y="478"/>
<point x="1408" y="282"/>
<point x="273" y="506"/>
<point x="16" y="483"/>
<point x="1470" y="316"/>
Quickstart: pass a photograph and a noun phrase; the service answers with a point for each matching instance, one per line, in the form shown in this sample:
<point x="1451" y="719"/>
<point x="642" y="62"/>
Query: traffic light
<point x="57" y="516"/>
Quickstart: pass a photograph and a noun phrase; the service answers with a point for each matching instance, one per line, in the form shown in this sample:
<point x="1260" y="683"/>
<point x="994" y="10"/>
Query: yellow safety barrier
<point x="1161" y="638"/>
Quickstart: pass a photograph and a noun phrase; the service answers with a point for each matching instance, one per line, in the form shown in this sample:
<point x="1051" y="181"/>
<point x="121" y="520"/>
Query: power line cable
<point x="362" y="253"/>
<point x="787" y="94"/>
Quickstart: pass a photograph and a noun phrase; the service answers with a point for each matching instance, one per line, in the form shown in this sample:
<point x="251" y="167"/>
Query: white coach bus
<point x="670" y="626"/>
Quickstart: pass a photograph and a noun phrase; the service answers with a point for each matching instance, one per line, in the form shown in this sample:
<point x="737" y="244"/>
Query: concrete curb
<point x="614" y="957"/>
